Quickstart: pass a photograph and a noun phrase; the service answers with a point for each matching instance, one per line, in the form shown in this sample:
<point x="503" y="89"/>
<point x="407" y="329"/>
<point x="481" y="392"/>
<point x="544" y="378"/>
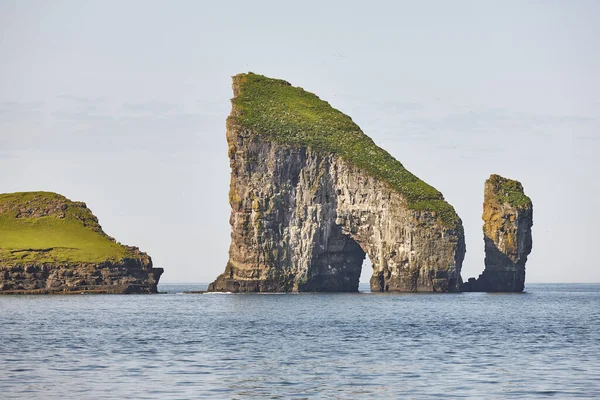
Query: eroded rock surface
<point x="508" y="218"/>
<point x="303" y="216"/>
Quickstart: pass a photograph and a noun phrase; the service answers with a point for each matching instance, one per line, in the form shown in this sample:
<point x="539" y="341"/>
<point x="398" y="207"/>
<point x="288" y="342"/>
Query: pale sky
<point x="122" y="104"/>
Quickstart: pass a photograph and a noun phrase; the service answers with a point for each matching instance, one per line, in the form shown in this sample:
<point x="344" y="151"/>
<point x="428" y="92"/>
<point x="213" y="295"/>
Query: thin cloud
<point x="500" y="122"/>
<point x="13" y="107"/>
<point x="80" y="99"/>
<point x="399" y="107"/>
<point x="151" y="107"/>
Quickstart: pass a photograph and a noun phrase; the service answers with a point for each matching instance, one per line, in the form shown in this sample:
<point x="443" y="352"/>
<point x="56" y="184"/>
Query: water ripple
<point x="542" y="344"/>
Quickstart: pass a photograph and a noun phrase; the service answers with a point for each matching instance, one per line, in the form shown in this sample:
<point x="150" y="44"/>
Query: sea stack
<point x="311" y="195"/>
<point x="50" y="244"/>
<point x="507" y="222"/>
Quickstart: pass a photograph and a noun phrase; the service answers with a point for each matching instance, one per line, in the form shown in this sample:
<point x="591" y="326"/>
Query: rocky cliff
<point x="311" y="194"/>
<point x="508" y="218"/>
<point x="49" y="244"/>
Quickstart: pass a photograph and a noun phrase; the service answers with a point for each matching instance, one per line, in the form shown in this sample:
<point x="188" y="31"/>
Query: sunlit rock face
<point x="303" y="218"/>
<point x="508" y="218"/>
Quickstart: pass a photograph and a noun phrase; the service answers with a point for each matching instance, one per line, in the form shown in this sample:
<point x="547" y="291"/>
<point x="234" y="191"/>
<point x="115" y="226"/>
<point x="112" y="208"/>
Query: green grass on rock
<point x="291" y="115"/>
<point x="44" y="227"/>
<point x="509" y="191"/>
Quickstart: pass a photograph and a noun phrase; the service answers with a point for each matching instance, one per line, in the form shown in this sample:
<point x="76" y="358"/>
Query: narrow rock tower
<point x="311" y="195"/>
<point x="508" y="218"/>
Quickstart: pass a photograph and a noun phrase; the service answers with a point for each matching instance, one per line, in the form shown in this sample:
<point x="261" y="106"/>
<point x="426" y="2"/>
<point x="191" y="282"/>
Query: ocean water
<point x="543" y="343"/>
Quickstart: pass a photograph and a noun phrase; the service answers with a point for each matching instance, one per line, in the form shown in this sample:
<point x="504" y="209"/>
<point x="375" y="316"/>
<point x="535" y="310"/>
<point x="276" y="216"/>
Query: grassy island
<point x="291" y="115"/>
<point x="45" y="227"/>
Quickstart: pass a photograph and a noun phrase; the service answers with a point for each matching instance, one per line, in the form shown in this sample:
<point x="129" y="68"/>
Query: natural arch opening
<point x="338" y="264"/>
<point x="364" y="282"/>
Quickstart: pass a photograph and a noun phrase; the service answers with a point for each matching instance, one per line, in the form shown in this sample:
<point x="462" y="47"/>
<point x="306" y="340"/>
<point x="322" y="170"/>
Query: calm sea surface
<point x="544" y="343"/>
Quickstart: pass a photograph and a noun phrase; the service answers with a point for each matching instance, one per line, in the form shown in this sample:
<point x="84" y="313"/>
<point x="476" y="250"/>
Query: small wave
<point x="271" y="293"/>
<point x="218" y="293"/>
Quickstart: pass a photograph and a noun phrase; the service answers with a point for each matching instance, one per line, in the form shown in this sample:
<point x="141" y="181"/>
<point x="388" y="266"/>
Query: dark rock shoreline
<point x="133" y="275"/>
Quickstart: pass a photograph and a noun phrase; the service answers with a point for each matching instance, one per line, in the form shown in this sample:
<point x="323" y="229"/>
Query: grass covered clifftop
<point x="45" y="227"/>
<point x="508" y="191"/>
<point x="291" y="115"/>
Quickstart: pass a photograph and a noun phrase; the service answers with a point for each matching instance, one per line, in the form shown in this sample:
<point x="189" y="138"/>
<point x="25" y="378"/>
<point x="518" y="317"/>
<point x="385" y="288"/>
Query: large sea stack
<point x="507" y="222"/>
<point x="310" y="194"/>
<point x="50" y="244"/>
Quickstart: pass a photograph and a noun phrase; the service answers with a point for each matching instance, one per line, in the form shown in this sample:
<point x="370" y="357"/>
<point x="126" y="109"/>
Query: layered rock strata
<point x="508" y="218"/>
<point x="49" y="244"/>
<point x="311" y="195"/>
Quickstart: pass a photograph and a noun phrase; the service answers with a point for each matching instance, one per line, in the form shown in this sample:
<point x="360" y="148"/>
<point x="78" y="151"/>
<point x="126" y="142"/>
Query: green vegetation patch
<point x="44" y="227"/>
<point x="291" y="115"/>
<point x="509" y="191"/>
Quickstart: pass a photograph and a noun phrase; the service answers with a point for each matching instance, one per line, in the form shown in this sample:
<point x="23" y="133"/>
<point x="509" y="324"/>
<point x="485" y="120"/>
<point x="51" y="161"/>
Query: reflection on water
<point x="542" y="343"/>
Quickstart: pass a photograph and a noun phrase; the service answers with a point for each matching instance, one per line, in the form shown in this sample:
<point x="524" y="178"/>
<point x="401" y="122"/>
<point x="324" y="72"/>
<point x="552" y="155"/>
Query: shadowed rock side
<point x="508" y="218"/>
<point x="303" y="219"/>
<point x="49" y="244"/>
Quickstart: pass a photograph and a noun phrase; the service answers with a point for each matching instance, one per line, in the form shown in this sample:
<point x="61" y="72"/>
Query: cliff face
<point x="49" y="244"/>
<point x="508" y="218"/>
<point x="308" y="203"/>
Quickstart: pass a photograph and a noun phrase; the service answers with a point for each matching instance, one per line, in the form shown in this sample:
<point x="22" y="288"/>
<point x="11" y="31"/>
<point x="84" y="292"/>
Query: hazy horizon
<point x="122" y="105"/>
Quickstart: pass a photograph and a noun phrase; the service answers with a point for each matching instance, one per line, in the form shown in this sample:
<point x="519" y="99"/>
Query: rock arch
<point x="303" y="219"/>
